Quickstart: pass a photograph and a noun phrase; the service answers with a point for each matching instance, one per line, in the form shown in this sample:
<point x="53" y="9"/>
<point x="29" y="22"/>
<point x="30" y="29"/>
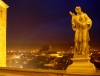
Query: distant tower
<point x="3" y="11"/>
<point x="50" y="47"/>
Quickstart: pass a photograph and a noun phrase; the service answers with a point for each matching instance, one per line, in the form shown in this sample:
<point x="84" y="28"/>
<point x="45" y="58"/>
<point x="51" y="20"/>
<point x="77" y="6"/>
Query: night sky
<point x="48" y="21"/>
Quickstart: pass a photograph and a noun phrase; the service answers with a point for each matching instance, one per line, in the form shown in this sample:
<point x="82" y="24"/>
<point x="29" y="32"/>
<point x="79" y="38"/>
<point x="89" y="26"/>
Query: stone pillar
<point x="81" y="65"/>
<point x="3" y="11"/>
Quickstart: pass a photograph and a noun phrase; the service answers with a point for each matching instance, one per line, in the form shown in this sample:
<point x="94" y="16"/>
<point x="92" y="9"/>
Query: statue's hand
<point x="78" y="22"/>
<point x="85" y="25"/>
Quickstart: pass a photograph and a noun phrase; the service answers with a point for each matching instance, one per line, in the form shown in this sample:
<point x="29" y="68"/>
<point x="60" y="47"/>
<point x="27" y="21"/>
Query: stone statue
<point x="81" y="24"/>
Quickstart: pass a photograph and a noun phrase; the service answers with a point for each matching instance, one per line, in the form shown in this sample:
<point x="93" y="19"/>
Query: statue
<point x="81" y="24"/>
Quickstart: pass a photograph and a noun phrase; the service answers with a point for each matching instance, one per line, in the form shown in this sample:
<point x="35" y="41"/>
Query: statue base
<point x="81" y="64"/>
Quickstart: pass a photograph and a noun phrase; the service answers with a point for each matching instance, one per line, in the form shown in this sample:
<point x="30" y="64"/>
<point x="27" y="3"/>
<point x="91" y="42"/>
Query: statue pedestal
<point x="81" y="64"/>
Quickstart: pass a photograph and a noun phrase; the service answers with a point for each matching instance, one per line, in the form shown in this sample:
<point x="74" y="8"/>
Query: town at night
<point x="49" y="37"/>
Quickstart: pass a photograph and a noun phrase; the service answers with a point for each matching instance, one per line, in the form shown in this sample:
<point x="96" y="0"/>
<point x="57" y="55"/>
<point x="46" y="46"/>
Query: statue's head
<point x="78" y="9"/>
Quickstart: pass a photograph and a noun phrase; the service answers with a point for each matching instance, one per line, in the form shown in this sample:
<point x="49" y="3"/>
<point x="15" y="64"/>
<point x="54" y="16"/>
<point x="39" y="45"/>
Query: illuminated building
<point x="3" y="11"/>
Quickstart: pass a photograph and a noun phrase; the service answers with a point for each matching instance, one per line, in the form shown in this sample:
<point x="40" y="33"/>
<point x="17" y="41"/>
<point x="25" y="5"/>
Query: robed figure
<point x="81" y="23"/>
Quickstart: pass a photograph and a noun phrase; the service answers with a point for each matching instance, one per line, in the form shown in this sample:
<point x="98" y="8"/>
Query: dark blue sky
<point x="45" y="21"/>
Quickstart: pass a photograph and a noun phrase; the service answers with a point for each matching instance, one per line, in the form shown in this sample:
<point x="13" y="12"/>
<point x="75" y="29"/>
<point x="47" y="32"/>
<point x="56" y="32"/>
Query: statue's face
<point x="78" y="10"/>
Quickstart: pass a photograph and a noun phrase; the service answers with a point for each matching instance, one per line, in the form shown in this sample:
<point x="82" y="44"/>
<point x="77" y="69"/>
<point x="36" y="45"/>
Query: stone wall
<point x="41" y="72"/>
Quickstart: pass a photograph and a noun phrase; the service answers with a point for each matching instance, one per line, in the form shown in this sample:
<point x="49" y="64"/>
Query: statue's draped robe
<point x="81" y="31"/>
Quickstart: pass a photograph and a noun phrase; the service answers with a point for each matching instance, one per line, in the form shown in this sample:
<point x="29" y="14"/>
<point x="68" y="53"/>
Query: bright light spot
<point x="58" y="52"/>
<point x="16" y="56"/>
